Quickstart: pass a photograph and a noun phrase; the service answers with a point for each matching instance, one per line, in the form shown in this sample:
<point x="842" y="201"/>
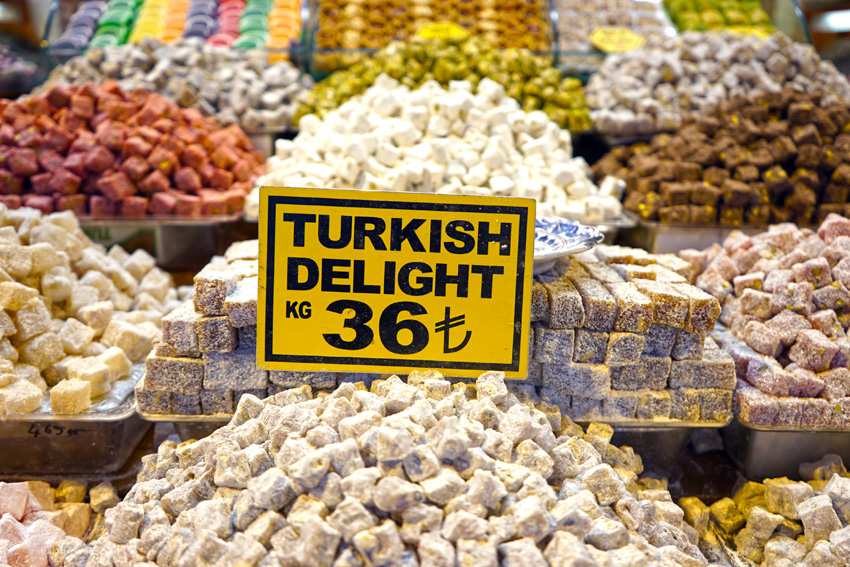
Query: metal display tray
<point x="754" y="449"/>
<point x="658" y="238"/>
<point x="190" y="426"/>
<point x="97" y="441"/>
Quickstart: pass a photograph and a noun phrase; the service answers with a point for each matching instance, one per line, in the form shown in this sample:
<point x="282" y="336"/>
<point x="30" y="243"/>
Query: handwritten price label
<point x="54" y="430"/>
<point x="615" y="39"/>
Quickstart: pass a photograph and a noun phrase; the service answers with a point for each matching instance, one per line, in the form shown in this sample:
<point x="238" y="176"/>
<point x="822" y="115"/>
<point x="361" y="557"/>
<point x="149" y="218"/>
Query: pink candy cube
<point x="13" y="499"/>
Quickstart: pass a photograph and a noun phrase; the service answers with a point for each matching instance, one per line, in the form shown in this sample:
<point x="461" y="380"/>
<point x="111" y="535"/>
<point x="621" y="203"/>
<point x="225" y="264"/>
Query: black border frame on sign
<point x="275" y="200"/>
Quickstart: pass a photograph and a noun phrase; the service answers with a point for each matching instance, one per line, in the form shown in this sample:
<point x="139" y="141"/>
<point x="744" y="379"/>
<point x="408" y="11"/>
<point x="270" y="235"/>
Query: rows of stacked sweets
<point x="785" y="300"/>
<point x="231" y="85"/>
<point x="34" y="516"/>
<point x="74" y="318"/>
<point x="781" y="521"/>
<point x="651" y="89"/>
<point x="421" y="473"/>
<point x="776" y="157"/>
<point x="105" y="152"/>
<point x="620" y="335"/>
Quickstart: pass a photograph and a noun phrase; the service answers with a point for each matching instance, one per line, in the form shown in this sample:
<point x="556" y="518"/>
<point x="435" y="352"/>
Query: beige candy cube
<point x="6" y="379"/>
<point x="118" y="254"/>
<point x="99" y="281"/>
<point x="31" y="320"/>
<point x="71" y="396"/>
<point x="91" y="259"/>
<point x="139" y="263"/>
<point x="16" y="260"/>
<point x="79" y="518"/>
<point x="57" y="283"/>
<point x="42" y="351"/>
<point x="45" y="257"/>
<point x="157" y="283"/>
<point x="128" y="337"/>
<point x="75" y="336"/>
<point x="7" y="351"/>
<point x="124" y="280"/>
<point x="58" y="371"/>
<point x="6" y="366"/>
<point x="244" y="250"/>
<point x="118" y="363"/>
<point x="95" y="349"/>
<point x="82" y="296"/>
<point x="121" y="301"/>
<point x="142" y="316"/>
<point x="9" y="235"/>
<point x="14" y="296"/>
<point x="19" y="397"/>
<point x="241" y="304"/>
<point x="56" y="325"/>
<point x="31" y="375"/>
<point x="97" y="315"/>
<point x="51" y="234"/>
<point x="92" y="371"/>
<point x="146" y="302"/>
<point x="64" y="219"/>
<point x="7" y="326"/>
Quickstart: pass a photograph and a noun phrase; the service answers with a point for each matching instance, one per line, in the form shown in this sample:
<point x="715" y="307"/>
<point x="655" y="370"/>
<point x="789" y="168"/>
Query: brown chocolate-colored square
<point x="705" y="194"/>
<point x="733" y="157"/>
<point x="747" y="173"/>
<point x="824" y="123"/>
<point x="807" y="177"/>
<point x="761" y="158"/>
<point x="774" y="129"/>
<point x="666" y="170"/>
<point x="836" y="193"/>
<point x="736" y="193"/>
<point x="779" y="214"/>
<point x="839" y="114"/>
<point x="783" y="149"/>
<point x="806" y="134"/>
<point x="703" y="215"/>
<point x="686" y="171"/>
<point x="716" y="176"/>
<point x="760" y="195"/>
<point x="731" y="216"/>
<point x="755" y="112"/>
<point x="801" y="197"/>
<point x="776" y="179"/>
<point x="808" y="156"/>
<point x="830" y="158"/>
<point x="801" y="113"/>
<point x="675" y="215"/>
<point x="675" y="193"/>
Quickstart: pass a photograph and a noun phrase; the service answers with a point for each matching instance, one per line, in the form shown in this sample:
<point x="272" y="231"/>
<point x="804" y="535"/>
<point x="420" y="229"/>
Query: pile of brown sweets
<point x="776" y="157"/>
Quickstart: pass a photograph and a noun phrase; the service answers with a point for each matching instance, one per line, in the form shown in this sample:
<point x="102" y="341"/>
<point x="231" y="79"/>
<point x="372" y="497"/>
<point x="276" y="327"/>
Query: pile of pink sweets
<point x="786" y="302"/>
<point x="35" y="517"/>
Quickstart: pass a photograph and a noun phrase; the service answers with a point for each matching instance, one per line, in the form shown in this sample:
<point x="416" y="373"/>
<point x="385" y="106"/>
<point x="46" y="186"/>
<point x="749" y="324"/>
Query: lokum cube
<point x="815" y="413"/>
<point x="586" y="380"/>
<point x="19" y="397"/>
<point x="181" y="375"/>
<point x="788" y="325"/>
<point x="585" y="409"/>
<point x="212" y="286"/>
<point x="836" y="383"/>
<point x="129" y="338"/>
<point x="215" y="334"/>
<point x="827" y="323"/>
<point x="715" y="405"/>
<point x="117" y="361"/>
<point x="783" y="496"/>
<point x="14" y="295"/>
<point x="755" y="303"/>
<point x="669" y="306"/>
<point x="806" y="384"/>
<point x="600" y="309"/>
<point x="235" y="371"/>
<point x="837" y="250"/>
<point x="777" y="278"/>
<point x="716" y="371"/>
<point x="619" y="405"/>
<point x="815" y="271"/>
<point x="768" y="376"/>
<point x="241" y="304"/>
<point x="654" y="404"/>
<point x="813" y="350"/>
<point x="553" y="346"/>
<point x="75" y="336"/>
<point x="832" y="296"/>
<point x="92" y="371"/>
<point x="566" y="310"/>
<point x="42" y="351"/>
<point x="624" y="347"/>
<point x="622" y="255"/>
<point x="688" y="346"/>
<point x="753" y="280"/>
<point x="70" y="396"/>
<point x="602" y="272"/>
<point x="794" y="296"/>
<point x="186" y="404"/>
<point x="647" y="373"/>
<point x="216" y="401"/>
<point x="539" y="303"/>
<point x="754" y="406"/>
<point x="153" y="401"/>
<point x="634" y="310"/>
<point x="659" y="340"/>
<point x="97" y="315"/>
<point x="762" y="338"/>
<point x="590" y="347"/>
<point x="662" y="274"/>
<point x="631" y="273"/>
<point x="685" y="404"/>
<point x="833" y="227"/>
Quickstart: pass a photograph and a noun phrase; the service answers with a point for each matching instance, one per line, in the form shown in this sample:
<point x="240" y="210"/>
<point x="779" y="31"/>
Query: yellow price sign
<point x="615" y="39"/>
<point x="442" y="30"/>
<point x="365" y="281"/>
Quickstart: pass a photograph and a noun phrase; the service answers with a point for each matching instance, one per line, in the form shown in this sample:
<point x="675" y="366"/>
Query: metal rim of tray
<point x="122" y="411"/>
<point x="160" y="220"/>
<point x="173" y="418"/>
<point x="790" y="429"/>
<point x="658" y="424"/>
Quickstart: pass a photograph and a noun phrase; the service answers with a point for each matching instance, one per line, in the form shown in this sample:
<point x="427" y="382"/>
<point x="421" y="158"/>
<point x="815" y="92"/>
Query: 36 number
<point x="389" y="327"/>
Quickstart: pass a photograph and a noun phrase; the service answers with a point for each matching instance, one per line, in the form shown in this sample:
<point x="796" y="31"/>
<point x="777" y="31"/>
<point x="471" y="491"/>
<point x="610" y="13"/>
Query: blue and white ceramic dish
<point x="555" y="238"/>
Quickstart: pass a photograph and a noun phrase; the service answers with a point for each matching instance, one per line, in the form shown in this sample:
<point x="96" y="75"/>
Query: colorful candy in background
<point x="284" y="24"/>
<point x="229" y="17"/>
<point x="114" y="26"/>
<point x="201" y="19"/>
<point x="81" y="25"/>
<point x="175" y="20"/>
<point x="704" y="15"/>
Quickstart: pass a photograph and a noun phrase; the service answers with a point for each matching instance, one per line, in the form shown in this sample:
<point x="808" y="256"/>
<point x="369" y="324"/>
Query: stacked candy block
<point x="284" y="25"/>
<point x="114" y="26"/>
<point x="81" y="26"/>
<point x="785" y="299"/>
<point x="620" y="335"/>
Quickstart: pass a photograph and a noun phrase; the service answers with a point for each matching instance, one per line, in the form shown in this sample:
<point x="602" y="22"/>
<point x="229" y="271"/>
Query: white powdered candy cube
<point x="71" y="396"/>
<point x="75" y="336"/>
<point x="129" y="338"/>
<point x="97" y="315"/>
<point x="19" y="397"/>
<point x="241" y="303"/>
<point x="117" y="361"/>
<point x="139" y="263"/>
<point x="92" y="371"/>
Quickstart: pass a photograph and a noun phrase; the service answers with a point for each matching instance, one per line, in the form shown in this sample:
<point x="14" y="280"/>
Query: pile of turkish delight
<point x="73" y="317"/>
<point x="782" y="522"/>
<point x="423" y="473"/>
<point x="785" y="300"/>
<point x="620" y="335"/>
<point x="34" y="516"/>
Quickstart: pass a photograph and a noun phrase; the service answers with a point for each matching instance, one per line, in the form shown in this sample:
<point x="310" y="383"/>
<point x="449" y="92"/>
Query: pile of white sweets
<point x="423" y="473"/>
<point x="74" y="317"/>
<point x="453" y="141"/>
<point x="648" y="90"/>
